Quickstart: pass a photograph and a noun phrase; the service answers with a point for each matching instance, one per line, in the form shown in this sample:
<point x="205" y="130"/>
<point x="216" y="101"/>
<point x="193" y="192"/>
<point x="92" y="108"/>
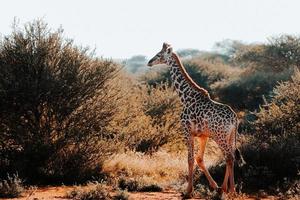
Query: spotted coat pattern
<point x="201" y="117"/>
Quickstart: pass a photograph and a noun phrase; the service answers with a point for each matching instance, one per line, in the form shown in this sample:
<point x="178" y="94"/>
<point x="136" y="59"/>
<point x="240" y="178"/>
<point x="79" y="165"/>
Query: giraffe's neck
<point x="183" y="83"/>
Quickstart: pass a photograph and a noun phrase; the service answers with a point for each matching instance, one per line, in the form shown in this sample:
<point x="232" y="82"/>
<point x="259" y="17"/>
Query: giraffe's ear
<point x="169" y="50"/>
<point x="165" y="45"/>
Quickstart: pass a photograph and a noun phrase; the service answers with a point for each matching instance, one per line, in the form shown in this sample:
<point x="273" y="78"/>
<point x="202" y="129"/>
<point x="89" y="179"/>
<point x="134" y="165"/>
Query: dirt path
<point x="46" y="193"/>
<point x="59" y="193"/>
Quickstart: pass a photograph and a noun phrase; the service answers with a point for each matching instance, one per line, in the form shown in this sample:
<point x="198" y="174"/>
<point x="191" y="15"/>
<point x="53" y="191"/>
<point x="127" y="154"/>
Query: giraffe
<point x="202" y="118"/>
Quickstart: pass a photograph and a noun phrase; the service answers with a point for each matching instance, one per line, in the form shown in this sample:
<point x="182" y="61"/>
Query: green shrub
<point x="11" y="187"/>
<point x="248" y="88"/>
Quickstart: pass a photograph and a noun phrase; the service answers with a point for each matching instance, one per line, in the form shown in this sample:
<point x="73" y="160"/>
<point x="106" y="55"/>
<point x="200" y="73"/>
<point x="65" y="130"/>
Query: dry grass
<point x="93" y="191"/>
<point x="162" y="168"/>
<point x="11" y="187"/>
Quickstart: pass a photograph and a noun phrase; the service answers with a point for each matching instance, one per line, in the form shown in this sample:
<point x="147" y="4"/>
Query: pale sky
<point x="123" y="28"/>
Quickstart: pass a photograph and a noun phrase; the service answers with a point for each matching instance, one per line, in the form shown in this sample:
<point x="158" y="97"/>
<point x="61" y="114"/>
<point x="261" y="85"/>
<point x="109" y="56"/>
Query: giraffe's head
<point x="162" y="56"/>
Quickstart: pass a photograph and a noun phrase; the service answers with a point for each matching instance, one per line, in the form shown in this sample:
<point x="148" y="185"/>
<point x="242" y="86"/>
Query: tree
<point x="136" y="64"/>
<point x="279" y="54"/>
<point x="56" y="101"/>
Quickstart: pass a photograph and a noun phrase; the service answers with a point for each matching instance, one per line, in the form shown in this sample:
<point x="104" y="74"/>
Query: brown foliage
<point x="147" y="117"/>
<point x="56" y="103"/>
<point x="278" y="54"/>
<point x="282" y="115"/>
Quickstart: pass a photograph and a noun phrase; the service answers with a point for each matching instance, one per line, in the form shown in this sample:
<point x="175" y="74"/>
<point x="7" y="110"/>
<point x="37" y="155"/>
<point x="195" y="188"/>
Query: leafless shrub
<point x="121" y="195"/>
<point x="95" y="191"/>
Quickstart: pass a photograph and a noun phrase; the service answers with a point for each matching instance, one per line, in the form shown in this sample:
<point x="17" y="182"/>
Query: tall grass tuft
<point x="11" y="187"/>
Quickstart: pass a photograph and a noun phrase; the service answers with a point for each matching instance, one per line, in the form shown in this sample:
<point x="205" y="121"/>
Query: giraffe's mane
<point x="188" y="78"/>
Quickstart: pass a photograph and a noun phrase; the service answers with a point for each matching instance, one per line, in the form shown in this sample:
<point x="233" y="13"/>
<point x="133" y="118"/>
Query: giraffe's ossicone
<point x="201" y="118"/>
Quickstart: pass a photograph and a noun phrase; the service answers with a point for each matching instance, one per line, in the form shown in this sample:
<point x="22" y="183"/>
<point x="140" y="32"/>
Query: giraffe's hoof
<point x="214" y="186"/>
<point x="186" y="195"/>
<point x="220" y="190"/>
<point x="225" y="189"/>
<point x="232" y="191"/>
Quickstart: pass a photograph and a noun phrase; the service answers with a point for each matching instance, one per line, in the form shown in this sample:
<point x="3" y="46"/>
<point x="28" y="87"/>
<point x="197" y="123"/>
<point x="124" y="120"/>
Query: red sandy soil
<point x="59" y="193"/>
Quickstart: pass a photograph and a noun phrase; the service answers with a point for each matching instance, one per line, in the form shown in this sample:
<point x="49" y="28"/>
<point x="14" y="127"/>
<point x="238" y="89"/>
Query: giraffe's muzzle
<point x="150" y="63"/>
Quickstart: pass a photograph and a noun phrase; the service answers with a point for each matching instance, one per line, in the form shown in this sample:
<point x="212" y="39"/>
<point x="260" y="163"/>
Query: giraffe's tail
<point x="237" y="153"/>
<point x="239" y="158"/>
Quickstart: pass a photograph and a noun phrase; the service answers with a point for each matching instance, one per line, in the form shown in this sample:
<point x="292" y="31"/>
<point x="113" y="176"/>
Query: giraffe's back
<point x="212" y="118"/>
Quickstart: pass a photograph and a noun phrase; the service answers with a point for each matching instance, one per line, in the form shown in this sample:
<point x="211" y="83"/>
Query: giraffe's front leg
<point x="190" y="143"/>
<point x="200" y="162"/>
<point x="189" y="138"/>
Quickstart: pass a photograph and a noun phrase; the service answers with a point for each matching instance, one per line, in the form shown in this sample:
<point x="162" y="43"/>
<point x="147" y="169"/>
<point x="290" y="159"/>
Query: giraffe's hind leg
<point x="228" y="174"/>
<point x="227" y="148"/>
<point x="200" y="162"/>
<point x="232" y="154"/>
<point x="231" y="178"/>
